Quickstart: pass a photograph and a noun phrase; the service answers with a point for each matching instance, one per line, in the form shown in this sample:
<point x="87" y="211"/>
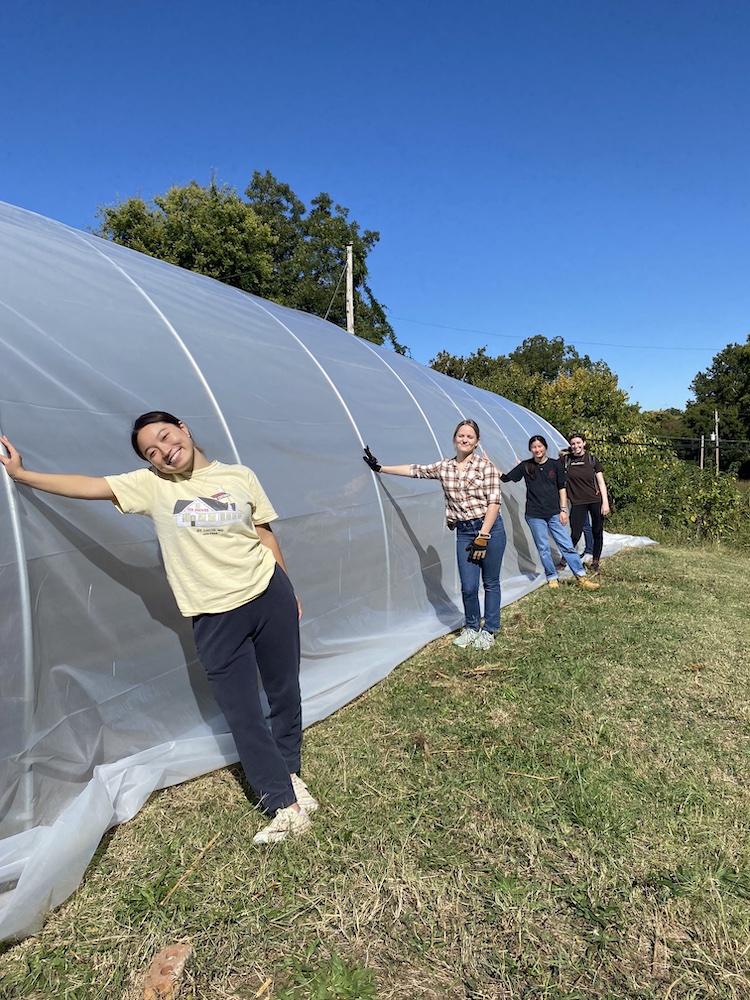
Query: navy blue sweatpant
<point x="233" y="647"/>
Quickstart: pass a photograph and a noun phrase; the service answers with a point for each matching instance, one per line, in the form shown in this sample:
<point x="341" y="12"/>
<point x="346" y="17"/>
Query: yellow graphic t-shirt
<point x="205" y="523"/>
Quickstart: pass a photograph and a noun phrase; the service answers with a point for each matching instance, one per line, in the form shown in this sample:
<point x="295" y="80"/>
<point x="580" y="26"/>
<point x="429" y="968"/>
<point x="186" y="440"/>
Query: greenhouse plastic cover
<point x="103" y="700"/>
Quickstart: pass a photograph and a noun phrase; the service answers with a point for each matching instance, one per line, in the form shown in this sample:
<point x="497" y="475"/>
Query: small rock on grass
<point x="163" y="977"/>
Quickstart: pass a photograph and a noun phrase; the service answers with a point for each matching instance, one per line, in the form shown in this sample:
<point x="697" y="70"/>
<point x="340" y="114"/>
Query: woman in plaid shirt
<point x="471" y="485"/>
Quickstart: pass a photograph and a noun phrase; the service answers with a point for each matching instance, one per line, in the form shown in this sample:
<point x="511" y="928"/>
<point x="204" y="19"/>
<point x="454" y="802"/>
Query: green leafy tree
<point x="588" y="400"/>
<point x="210" y="230"/>
<point x="501" y="375"/>
<point x="724" y="387"/>
<point x="267" y="244"/>
<point x="550" y="357"/>
<point x="276" y="205"/>
<point x="475" y="369"/>
<point x="669" y="423"/>
<point x="551" y="378"/>
<point x="669" y="426"/>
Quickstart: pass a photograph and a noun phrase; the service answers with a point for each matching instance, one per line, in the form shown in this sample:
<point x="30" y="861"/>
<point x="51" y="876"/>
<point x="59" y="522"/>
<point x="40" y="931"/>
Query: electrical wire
<point x="338" y="284"/>
<point x="584" y="343"/>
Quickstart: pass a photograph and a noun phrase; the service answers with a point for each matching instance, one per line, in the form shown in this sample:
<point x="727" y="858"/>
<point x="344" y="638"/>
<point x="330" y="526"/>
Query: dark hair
<point x="467" y="423"/>
<point x="577" y="435"/>
<point x="152" y="417"/>
<point x="531" y="465"/>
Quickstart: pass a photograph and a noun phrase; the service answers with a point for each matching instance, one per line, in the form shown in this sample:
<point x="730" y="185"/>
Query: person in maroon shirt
<point x="587" y="493"/>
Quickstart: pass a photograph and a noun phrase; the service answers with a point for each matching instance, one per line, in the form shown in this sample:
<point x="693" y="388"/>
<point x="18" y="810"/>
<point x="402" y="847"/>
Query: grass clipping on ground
<point x="565" y="815"/>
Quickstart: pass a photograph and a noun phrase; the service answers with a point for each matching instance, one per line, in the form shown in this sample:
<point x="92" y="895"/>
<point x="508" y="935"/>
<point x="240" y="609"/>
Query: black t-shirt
<point x="542" y="488"/>
<point x="582" y="484"/>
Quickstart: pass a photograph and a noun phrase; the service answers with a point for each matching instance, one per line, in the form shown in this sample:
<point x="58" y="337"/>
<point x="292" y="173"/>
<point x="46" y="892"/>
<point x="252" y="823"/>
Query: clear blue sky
<point x="577" y="169"/>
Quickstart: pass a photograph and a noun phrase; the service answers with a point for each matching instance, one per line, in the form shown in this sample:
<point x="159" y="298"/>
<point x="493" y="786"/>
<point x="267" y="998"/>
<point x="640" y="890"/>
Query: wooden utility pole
<point x="716" y="432"/>
<point x="350" y="288"/>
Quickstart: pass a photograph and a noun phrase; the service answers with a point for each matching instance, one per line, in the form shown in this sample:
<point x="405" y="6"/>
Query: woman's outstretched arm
<point x="391" y="470"/>
<point x="515" y="475"/>
<point x="396" y="470"/>
<point x="76" y="487"/>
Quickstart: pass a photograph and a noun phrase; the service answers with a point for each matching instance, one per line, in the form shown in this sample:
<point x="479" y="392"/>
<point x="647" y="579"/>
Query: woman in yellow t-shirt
<point x="227" y="573"/>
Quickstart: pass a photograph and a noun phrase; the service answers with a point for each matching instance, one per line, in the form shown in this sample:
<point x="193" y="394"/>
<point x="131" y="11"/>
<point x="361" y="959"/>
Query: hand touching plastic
<point x="76" y="487"/>
<point x="13" y="464"/>
<point x="371" y="460"/>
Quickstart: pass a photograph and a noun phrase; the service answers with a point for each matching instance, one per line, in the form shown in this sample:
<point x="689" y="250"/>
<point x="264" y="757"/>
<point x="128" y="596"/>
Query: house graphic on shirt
<point x="206" y="512"/>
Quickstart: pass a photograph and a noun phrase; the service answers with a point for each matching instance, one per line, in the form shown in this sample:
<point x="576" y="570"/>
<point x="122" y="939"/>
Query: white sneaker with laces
<point x="484" y="640"/>
<point x="286" y="823"/>
<point x="465" y="638"/>
<point x="304" y="798"/>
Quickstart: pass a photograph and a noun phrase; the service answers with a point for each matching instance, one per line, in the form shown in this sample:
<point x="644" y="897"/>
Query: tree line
<point x="551" y="378"/>
<point x="723" y="389"/>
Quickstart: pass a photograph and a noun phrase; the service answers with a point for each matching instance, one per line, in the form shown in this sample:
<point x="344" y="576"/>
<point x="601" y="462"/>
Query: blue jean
<point x="541" y="529"/>
<point x="489" y="570"/>
<point x="589" y="536"/>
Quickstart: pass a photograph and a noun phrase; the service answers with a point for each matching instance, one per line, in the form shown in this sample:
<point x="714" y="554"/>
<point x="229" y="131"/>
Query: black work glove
<point x="371" y="460"/>
<point x="477" y="549"/>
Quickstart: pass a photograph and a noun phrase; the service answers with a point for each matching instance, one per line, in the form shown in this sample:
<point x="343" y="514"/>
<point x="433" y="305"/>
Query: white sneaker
<point x="484" y="640"/>
<point x="286" y="823"/>
<point x="304" y="799"/>
<point x="466" y="638"/>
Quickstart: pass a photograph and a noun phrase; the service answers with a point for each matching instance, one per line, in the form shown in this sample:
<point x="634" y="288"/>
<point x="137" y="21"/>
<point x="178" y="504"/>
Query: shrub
<point x="649" y="486"/>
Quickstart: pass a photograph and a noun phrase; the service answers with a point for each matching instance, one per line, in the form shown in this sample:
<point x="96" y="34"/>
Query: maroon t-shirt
<point x="582" y="484"/>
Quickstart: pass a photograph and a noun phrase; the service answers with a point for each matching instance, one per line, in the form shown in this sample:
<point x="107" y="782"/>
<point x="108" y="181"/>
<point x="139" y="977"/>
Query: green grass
<point x="565" y="816"/>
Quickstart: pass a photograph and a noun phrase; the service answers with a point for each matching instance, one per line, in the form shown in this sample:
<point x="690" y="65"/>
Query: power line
<point x="338" y="284"/>
<point x="663" y="443"/>
<point x="583" y="343"/>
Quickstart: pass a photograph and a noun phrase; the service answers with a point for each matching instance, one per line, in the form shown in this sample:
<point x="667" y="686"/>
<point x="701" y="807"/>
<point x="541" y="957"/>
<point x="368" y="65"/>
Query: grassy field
<point x="565" y="816"/>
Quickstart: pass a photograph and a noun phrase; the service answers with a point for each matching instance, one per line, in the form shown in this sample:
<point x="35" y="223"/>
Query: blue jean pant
<point x="233" y="647"/>
<point x="541" y="529"/>
<point x="589" y="537"/>
<point x="488" y="569"/>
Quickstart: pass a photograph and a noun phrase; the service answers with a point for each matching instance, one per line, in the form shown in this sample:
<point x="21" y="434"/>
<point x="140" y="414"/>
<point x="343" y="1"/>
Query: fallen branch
<point x="192" y="868"/>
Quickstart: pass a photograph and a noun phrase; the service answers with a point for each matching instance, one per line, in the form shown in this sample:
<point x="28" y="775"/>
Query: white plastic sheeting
<point x="103" y="700"/>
